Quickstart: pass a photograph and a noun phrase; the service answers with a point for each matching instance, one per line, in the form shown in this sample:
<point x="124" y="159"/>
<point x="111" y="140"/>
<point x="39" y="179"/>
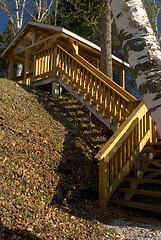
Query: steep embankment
<point x="47" y="167"/>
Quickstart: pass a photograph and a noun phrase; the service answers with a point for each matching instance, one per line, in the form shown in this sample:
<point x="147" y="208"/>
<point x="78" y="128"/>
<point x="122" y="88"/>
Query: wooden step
<point x="146" y="169"/>
<point x="144" y="206"/>
<point x="151" y="151"/>
<point x="143" y="180"/>
<point x="154" y="144"/>
<point x="140" y="192"/>
<point x="148" y="160"/>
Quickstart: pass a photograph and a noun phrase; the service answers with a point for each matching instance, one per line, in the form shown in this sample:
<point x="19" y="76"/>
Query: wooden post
<point x="123" y="78"/>
<point x="10" y="69"/>
<point x="98" y="63"/>
<point x="60" y="90"/>
<point x="55" y="89"/>
<point x="103" y="183"/>
<point x="74" y="46"/>
<point x="26" y="67"/>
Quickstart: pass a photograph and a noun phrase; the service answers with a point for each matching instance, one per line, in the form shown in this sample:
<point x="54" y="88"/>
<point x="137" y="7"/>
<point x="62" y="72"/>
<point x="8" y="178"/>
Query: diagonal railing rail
<point x="118" y="155"/>
<point x="97" y="88"/>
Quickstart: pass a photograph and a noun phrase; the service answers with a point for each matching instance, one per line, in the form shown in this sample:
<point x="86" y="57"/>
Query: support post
<point x="90" y="120"/>
<point x="123" y="78"/>
<point x="97" y="63"/>
<point x="60" y="90"/>
<point x="34" y="68"/>
<point x="55" y="89"/>
<point x="74" y="46"/>
<point x="103" y="184"/>
<point x="26" y="67"/>
<point x="10" y="69"/>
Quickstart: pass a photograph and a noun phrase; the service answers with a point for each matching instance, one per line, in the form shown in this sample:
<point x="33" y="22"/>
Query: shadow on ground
<point x="77" y="190"/>
<point x="78" y="167"/>
<point x="15" y="234"/>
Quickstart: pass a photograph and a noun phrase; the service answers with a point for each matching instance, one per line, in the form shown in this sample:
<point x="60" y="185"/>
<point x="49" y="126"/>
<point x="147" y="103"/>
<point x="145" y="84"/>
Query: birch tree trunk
<point x="106" y="43"/>
<point x="41" y="9"/>
<point x="143" y="52"/>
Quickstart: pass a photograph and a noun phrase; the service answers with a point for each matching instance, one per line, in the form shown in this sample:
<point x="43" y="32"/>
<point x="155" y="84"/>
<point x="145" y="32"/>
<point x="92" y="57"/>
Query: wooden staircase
<point x="130" y="155"/>
<point x="108" y="101"/>
<point x="142" y="187"/>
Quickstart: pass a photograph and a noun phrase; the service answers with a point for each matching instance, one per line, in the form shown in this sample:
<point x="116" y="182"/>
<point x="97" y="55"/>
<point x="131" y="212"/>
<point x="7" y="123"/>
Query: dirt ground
<point x="48" y="173"/>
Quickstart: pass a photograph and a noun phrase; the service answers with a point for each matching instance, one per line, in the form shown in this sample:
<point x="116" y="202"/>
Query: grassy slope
<point x="47" y="168"/>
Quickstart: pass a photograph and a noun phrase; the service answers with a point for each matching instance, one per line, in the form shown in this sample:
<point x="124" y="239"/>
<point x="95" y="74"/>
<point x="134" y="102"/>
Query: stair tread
<point x="140" y="192"/>
<point x="144" y="206"/>
<point x="151" y="151"/>
<point x="146" y="169"/>
<point x="143" y="180"/>
<point x="154" y="144"/>
<point x="148" y="160"/>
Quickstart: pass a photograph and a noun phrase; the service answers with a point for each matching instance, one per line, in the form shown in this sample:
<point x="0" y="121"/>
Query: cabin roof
<point x="24" y="38"/>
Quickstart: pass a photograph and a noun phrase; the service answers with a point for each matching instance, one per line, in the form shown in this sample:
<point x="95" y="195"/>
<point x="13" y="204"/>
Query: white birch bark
<point x="143" y="52"/>
<point x="15" y="12"/>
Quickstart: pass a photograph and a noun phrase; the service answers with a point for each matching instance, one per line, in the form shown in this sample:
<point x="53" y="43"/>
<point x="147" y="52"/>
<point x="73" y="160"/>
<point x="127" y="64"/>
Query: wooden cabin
<point x="53" y="55"/>
<point x="34" y="38"/>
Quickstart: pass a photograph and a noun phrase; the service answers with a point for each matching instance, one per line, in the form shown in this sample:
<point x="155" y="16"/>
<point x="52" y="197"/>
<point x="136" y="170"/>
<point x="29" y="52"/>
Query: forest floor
<point x="48" y="173"/>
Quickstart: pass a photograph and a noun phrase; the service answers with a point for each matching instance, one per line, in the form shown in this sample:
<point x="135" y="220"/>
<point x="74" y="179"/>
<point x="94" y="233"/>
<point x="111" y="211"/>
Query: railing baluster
<point x="105" y="100"/>
<point x="111" y="170"/>
<point x="66" y="65"/>
<point x="120" y="157"/>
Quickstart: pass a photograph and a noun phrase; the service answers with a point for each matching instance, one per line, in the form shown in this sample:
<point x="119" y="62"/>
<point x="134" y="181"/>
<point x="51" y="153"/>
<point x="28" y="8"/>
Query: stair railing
<point x="119" y="154"/>
<point x="116" y="103"/>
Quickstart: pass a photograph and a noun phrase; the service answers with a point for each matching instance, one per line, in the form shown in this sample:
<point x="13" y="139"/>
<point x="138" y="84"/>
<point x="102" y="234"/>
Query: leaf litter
<point x="48" y="174"/>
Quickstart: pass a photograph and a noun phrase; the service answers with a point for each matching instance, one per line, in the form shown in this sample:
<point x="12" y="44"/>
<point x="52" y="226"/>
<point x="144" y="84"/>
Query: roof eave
<point x="66" y="32"/>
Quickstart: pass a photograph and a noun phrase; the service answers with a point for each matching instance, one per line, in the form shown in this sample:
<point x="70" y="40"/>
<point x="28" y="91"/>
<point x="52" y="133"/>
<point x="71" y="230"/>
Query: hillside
<point x="48" y="175"/>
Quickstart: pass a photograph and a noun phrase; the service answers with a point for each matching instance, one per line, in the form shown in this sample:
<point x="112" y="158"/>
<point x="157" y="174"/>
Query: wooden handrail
<point x="109" y="81"/>
<point x="119" y="154"/>
<point x="100" y="90"/>
<point x="115" y="104"/>
<point x="96" y="72"/>
<point x="122" y="133"/>
<point x="101" y="76"/>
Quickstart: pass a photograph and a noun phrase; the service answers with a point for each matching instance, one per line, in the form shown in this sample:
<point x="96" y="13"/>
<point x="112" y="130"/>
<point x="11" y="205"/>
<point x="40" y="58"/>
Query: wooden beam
<point x="74" y="45"/>
<point x="33" y="36"/>
<point x="53" y="38"/>
<point x="43" y="33"/>
<point x="26" y="42"/>
<point x="10" y="69"/>
<point x="20" y="40"/>
<point x="21" y="60"/>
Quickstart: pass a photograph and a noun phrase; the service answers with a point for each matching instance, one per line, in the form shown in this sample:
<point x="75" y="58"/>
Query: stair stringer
<point x="86" y="103"/>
